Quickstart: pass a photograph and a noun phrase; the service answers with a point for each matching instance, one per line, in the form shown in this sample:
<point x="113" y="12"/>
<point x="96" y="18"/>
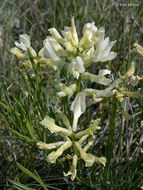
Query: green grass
<point x="122" y="23"/>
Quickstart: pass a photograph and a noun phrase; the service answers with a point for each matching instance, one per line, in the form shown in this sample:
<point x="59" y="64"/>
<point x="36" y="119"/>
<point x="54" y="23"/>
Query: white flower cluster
<point x="67" y="50"/>
<point x="21" y="52"/>
<point x="23" y="46"/>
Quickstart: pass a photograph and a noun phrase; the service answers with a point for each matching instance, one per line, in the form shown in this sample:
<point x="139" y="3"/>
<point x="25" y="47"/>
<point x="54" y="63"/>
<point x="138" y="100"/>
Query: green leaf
<point x="37" y="178"/>
<point x="22" y="137"/>
<point x="4" y="119"/>
<point x="30" y="129"/>
<point x="20" y="106"/>
<point x="8" y="108"/>
<point x="20" y="186"/>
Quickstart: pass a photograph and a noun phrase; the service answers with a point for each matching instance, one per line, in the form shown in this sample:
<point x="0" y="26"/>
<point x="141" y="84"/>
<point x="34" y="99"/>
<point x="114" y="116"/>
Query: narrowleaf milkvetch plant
<point x="72" y="58"/>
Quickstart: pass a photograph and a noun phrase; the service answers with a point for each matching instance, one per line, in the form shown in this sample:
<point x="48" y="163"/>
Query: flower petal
<point x="25" y="40"/>
<point x="76" y="66"/>
<point x="56" y="35"/>
<point x="49" y="123"/>
<point x="78" y="107"/>
<point x="89" y="131"/>
<point x="97" y="78"/>
<point x="88" y="158"/>
<point x="73" y="31"/>
<point x="139" y="49"/>
<point x="57" y="47"/>
<point x="100" y="160"/>
<point x="66" y="90"/>
<point x="49" y="146"/>
<point x="130" y="72"/>
<point x="109" y="57"/>
<point x="90" y="142"/>
<point x="54" y="155"/>
<point x="73" y="169"/>
<point x="17" y="52"/>
<point x="64" y="119"/>
<point x="49" y="52"/>
<point x="20" y="46"/>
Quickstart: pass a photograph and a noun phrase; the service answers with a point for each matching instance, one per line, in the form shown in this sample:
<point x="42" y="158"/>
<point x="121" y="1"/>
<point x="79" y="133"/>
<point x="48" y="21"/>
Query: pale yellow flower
<point x="24" y="42"/>
<point x="66" y="90"/>
<point x="100" y="160"/>
<point x="21" y="52"/>
<point x="50" y="52"/>
<point x="139" y="49"/>
<point x="54" y="155"/>
<point x="49" y="123"/>
<point x="76" y="67"/>
<point x="42" y="145"/>
<point x="117" y="87"/>
<point x="17" y="52"/>
<point x="73" y="170"/>
<point x="97" y="78"/>
<point x="102" y="52"/>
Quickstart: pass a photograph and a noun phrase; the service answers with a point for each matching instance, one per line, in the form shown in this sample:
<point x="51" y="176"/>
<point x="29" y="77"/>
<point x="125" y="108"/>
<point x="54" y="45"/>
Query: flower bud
<point x="17" y="52"/>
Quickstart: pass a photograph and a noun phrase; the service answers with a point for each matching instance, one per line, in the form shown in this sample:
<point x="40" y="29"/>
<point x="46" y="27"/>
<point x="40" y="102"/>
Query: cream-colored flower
<point x="90" y="143"/>
<point x="50" y="52"/>
<point x="58" y="49"/>
<point x="54" y="155"/>
<point x="102" y="52"/>
<point x="64" y="119"/>
<point x="17" y="52"/>
<point x="91" y="37"/>
<point x="73" y="170"/>
<point x="97" y="78"/>
<point x="66" y="90"/>
<point x="41" y="52"/>
<point x="24" y="42"/>
<point x="92" y="28"/>
<point x="42" y="145"/>
<point x="87" y="41"/>
<point x="139" y="49"/>
<point x="55" y="34"/>
<point x="73" y="31"/>
<point x="88" y="158"/>
<point x="33" y="52"/>
<point x="49" y="123"/>
<point x="76" y="67"/>
<point x="89" y="131"/>
<point x="100" y="160"/>
<point x="83" y="138"/>
<point x="21" y="50"/>
<point x="47" y="62"/>
<point x="117" y="87"/>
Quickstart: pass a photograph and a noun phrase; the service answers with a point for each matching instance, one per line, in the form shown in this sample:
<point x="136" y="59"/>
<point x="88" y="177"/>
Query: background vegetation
<point x="122" y="23"/>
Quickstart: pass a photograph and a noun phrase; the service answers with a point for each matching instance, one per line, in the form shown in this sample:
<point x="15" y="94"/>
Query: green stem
<point x="121" y="137"/>
<point x="74" y="148"/>
<point x="78" y="86"/>
<point x="68" y="105"/>
<point x="111" y="132"/>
